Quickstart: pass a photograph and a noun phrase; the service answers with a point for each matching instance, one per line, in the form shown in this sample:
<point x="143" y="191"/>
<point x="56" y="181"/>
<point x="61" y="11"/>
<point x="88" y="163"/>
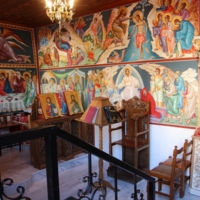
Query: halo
<point x="26" y="73"/>
<point x="122" y="8"/>
<point x="159" y="12"/>
<point x="159" y="3"/>
<point x="183" y="1"/>
<point x="80" y="18"/>
<point x="96" y="78"/>
<point x="69" y="78"/>
<point x="4" y="72"/>
<point x="127" y="67"/>
<point x="63" y="80"/>
<point x="77" y="76"/>
<point x="176" y="17"/>
<point x="138" y="12"/>
<point x="51" y="79"/>
<point x="170" y="16"/>
<point x="100" y="72"/>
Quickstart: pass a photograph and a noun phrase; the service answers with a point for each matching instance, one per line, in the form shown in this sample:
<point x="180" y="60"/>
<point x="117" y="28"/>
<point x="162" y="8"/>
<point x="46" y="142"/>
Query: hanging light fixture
<point x="59" y="10"/>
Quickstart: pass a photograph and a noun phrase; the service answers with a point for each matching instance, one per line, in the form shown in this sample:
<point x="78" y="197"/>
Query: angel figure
<point x="109" y="73"/>
<point x="7" y="52"/>
<point x="78" y="27"/>
<point x="117" y="27"/>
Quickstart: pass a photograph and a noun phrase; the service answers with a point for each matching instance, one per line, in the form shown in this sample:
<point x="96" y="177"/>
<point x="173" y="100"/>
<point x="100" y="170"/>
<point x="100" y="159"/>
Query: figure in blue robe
<point x="180" y="88"/>
<point x="185" y="34"/>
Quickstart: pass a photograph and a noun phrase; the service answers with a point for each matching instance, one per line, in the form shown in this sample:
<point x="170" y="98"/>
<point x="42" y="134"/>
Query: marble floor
<point x="16" y="165"/>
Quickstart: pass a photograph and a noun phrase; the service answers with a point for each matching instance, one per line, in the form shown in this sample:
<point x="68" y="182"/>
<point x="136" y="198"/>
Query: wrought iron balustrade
<point x="50" y="134"/>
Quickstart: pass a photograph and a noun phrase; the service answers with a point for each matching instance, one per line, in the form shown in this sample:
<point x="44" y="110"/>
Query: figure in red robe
<point x="91" y="55"/>
<point x="2" y="93"/>
<point x="146" y="96"/>
<point x="18" y="84"/>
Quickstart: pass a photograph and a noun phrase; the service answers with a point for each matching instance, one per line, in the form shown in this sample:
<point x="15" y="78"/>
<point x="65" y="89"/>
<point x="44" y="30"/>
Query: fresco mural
<point x="170" y="87"/>
<point x="17" y="46"/>
<point x="146" y="30"/>
<point x="18" y="88"/>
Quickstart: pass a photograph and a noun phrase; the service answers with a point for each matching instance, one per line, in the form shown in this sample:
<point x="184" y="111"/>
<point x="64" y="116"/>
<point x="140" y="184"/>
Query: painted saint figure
<point x="189" y="102"/>
<point x="75" y="107"/>
<point x="97" y="87"/>
<point x="157" y="90"/>
<point x="51" y="109"/>
<point x="80" y="55"/>
<point x="30" y="93"/>
<point x="90" y="89"/>
<point x="18" y="83"/>
<point x="184" y="36"/>
<point x="140" y="27"/>
<point x="147" y="97"/>
<point x="119" y="28"/>
<point x="130" y="85"/>
<point x="158" y="22"/>
<point x="78" y="27"/>
<point x="180" y="87"/>
<point x="2" y="92"/>
<point x="77" y="85"/>
<point x="169" y="35"/>
<point x="47" y="58"/>
<point x="51" y="87"/>
<point x="171" y="101"/>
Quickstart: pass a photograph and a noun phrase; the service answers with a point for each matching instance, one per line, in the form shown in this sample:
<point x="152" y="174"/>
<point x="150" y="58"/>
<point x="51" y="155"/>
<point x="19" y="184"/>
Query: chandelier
<point x="59" y="10"/>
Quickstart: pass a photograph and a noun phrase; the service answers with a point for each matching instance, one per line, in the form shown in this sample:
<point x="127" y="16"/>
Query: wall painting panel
<point x="143" y="31"/>
<point x="17" y="47"/>
<point x="171" y="87"/>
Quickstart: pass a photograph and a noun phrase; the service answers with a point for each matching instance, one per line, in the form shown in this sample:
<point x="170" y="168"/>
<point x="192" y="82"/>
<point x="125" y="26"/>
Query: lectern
<point x="101" y="120"/>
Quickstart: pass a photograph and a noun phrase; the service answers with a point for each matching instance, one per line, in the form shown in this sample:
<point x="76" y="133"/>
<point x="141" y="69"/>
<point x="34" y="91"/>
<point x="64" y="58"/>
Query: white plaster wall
<point x="162" y="141"/>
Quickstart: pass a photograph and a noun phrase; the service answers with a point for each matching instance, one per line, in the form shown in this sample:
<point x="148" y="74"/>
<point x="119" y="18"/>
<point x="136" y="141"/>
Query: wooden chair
<point x="170" y="175"/>
<point x="187" y="164"/>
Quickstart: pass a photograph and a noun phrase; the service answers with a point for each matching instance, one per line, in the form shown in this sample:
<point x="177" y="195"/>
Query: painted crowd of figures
<point x="173" y="95"/>
<point x="141" y="31"/>
<point x="16" y="83"/>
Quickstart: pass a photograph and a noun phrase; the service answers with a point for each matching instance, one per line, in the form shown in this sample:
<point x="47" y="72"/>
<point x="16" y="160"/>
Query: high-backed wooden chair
<point x="135" y="136"/>
<point x="170" y="175"/>
<point x="187" y="164"/>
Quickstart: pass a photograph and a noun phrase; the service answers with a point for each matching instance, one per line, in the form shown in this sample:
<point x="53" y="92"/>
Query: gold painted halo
<point x="96" y="78"/>
<point x="77" y="76"/>
<point x="26" y="73"/>
<point x="62" y="80"/>
<point x="158" y="13"/>
<point x="100" y="72"/>
<point x="127" y="67"/>
<point x="159" y="2"/>
<point x="122" y="8"/>
<point x="183" y="1"/>
<point x="51" y="80"/>
<point x="167" y="14"/>
<point x="4" y="73"/>
<point x="69" y="78"/>
<point x="138" y="12"/>
<point x="172" y="3"/>
<point x="176" y="17"/>
<point x="80" y="19"/>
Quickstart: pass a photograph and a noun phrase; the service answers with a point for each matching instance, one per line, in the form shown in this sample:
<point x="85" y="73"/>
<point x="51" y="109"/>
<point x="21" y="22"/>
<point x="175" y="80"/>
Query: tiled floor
<point x="16" y="165"/>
